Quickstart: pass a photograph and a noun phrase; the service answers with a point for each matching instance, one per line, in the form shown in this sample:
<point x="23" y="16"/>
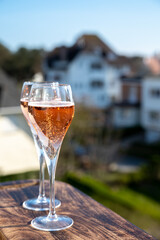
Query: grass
<point x="122" y="196"/>
<point x="133" y="206"/>
<point x="20" y="176"/>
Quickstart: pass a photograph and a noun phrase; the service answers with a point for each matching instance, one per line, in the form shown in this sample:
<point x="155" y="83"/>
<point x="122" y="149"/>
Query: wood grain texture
<point x="91" y="219"/>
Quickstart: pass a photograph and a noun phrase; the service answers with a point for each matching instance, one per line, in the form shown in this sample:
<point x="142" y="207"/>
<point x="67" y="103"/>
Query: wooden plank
<point x="91" y="219"/>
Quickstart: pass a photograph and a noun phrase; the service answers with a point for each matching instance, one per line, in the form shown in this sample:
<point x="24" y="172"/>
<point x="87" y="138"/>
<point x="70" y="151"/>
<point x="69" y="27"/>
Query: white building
<point x="150" y="110"/>
<point x="87" y="67"/>
<point x="94" y="82"/>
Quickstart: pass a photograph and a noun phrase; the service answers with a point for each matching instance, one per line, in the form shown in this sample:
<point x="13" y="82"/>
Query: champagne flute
<point x="51" y="110"/>
<point x="41" y="203"/>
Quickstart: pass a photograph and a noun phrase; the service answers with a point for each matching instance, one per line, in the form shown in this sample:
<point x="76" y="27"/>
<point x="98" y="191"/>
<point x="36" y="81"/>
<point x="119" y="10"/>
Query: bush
<point x="122" y="196"/>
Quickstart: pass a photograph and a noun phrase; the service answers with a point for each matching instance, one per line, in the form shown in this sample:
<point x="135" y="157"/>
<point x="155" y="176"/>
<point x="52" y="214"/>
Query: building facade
<point x="87" y="67"/>
<point x="150" y="110"/>
<point x="92" y="80"/>
<point x="126" y="112"/>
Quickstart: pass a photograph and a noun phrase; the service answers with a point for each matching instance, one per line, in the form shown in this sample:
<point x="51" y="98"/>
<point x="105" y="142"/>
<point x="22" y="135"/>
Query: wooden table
<point x="91" y="219"/>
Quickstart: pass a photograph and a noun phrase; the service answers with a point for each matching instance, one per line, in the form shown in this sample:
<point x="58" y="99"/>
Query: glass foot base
<point x="56" y="223"/>
<point x="39" y="204"/>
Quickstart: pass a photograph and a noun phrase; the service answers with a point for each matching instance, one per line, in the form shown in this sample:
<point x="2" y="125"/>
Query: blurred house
<point x="126" y="112"/>
<point x="153" y="64"/>
<point x="91" y="67"/>
<point x="150" y="110"/>
<point x="9" y="93"/>
<point x="91" y="78"/>
<point x="17" y="148"/>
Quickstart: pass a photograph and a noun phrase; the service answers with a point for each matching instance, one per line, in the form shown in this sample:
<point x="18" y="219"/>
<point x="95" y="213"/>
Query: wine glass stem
<point x="52" y="211"/>
<point x="52" y="170"/>
<point x="41" y="176"/>
<point x="42" y="165"/>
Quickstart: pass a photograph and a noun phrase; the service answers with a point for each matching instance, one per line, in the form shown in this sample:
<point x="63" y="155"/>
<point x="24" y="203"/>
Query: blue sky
<point x="128" y="26"/>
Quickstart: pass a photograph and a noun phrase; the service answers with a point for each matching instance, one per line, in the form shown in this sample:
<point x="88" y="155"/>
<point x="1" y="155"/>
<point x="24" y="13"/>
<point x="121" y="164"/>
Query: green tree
<point x="4" y="54"/>
<point x="24" y="63"/>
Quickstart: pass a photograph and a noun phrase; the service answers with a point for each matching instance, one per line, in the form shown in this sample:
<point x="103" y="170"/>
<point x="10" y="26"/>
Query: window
<point x="57" y="77"/>
<point x="132" y="97"/>
<point x="154" y="116"/>
<point x="96" y="66"/>
<point x="124" y="113"/>
<point x="155" y="92"/>
<point x="97" y="84"/>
